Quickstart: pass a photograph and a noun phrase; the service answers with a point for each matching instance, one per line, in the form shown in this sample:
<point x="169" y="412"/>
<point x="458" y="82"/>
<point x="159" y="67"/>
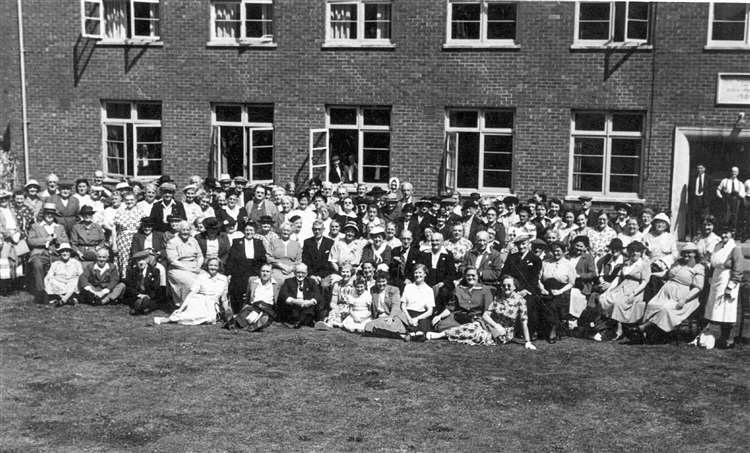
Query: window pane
<point x="116" y="20"/>
<point x="149" y="134"/>
<point x="375" y="174"/>
<point x="638" y="10"/>
<point x="260" y="114"/>
<point x="343" y="21"/>
<point x="619" y="22"/>
<point x="146" y="19"/>
<point x="589" y="146"/>
<point x="344" y="143"/>
<point x="728" y="31"/>
<point x="498" y="119"/>
<point x="376" y="157"/>
<point x="593" y="21"/>
<point x="729" y="11"/>
<point x="231" y="113"/>
<point x="587" y="183"/>
<point x="501" y="21"/>
<point x="498" y="143"/>
<point x="116" y="133"/>
<point x="497" y="178"/>
<point x="627" y="122"/>
<point x="262" y="138"/>
<point x="463" y="118"/>
<point x="498" y="161"/>
<point x="501" y="30"/>
<point x="637" y="30"/>
<point x="149" y="167"/>
<point x="376" y="140"/>
<point x="118" y="110"/>
<point x="465" y="20"/>
<point x="588" y="164"/>
<point x="232" y="147"/>
<point x="468" y="159"/>
<point x="377" y="21"/>
<point x="227" y="20"/>
<point x="377" y="117"/>
<point x="623" y="184"/>
<point x="262" y="154"/>
<point x="343" y="116"/>
<point x="262" y="172"/>
<point x="625" y="165"/>
<point x="594" y="11"/>
<point x="259" y="22"/>
<point x="626" y="147"/>
<point x="589" y="121"/>
<point x="149" y="111"/>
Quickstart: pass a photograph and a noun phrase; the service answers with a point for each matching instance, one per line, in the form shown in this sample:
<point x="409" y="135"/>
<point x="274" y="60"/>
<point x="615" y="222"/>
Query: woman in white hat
<point x="33" y="200"/>
<point x="661" y="244"/>
<point x="11" y="235"/>
<point x="61" y="281"/>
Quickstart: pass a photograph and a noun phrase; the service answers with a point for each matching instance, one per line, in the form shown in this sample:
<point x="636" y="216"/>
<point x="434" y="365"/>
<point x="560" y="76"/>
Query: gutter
<point x="24" y="125"/>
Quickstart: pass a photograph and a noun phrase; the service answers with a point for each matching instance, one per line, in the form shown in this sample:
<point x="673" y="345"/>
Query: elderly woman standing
<point x="661" y="244"/>
<point x="601" y="235"/>
<point x="707" y="241"/>
<point x="284" y="253"/>
<point x="126" y="222"/>
<point x="206" y="298"/>
<point x="555" y="282"/>
<point x="678" y="298"/>
<point x="630" y="232"/>
<point x="184" y="260"/>
<point x="723" y="296"/>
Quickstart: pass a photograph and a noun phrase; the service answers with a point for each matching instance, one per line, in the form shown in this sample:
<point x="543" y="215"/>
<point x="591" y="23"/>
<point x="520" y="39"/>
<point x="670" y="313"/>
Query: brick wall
<point x="542" y="81"/>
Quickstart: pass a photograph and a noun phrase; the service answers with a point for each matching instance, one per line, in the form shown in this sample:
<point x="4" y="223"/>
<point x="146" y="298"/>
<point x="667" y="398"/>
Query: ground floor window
<point x="132" y="138"/>
<point x="606" y="152"/>
<point x="243" y="140"/>
<point x="479" y="148"/>
<point x="359" y="144"/>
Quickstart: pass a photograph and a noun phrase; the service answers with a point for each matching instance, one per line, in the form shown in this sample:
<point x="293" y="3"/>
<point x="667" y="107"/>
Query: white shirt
<point x="212" y="248"/>
<point x="249" y="249"/>
<point x="148" y="242"/>
<point x="731" y="185"/>
<point x="264" y="293"/>
<point x="418" y="297"/>
<point x="10" y="219"/>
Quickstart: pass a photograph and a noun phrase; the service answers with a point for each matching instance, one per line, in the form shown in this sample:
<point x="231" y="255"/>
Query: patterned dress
<point x="126" y="221"/>
<point x="599" y="240"/>
<point x="663" y="309"/>
<point x="504" y="311"/>
<point x="458" y="249"/>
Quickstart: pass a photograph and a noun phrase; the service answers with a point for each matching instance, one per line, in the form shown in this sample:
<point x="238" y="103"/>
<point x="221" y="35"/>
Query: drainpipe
<point x="21" y="52"/>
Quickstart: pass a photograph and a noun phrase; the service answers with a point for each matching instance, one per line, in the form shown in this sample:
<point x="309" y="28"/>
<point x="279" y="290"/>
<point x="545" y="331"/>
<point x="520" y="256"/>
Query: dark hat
<point x="408" y="207"/>
<point x="510" y="200"/>
<point x="164" y="178"/>
<point x="211" y="223"/>
<point x="267" y="219"/>
<point x="168" y="187"/>
<point x="174" y="218"/>
<point x="423" y="201"/>
<point x="615" y="244"/>
<point x="65" y="185"/>
<point x="49" y="208"/>
<point x="140" y="255"/>
<point x="360" y="201"/>
<point x="351" y="225"/>
<point x="209" y="182"/>
<point x="626" y="206"/>
<point x="316" y="181"/>
<point x="376" y="191"/>
<point x="538" y="243"/>
<point x="147" y="222"/>
<point x="86" y="210"/>
<point x="470" y="204"/>
<point x="475" y="196"/>
<point x="524" y="207"/>
<point x="584" y="198"/>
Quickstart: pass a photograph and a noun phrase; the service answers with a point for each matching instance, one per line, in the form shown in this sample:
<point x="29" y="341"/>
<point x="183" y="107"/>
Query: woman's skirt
<point x="180" y="281"/>
<point x="196" y="309"/>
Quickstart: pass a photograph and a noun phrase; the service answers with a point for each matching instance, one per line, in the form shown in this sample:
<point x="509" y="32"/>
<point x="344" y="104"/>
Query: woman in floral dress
<point x="498" y="321"/>
<point x="457" y="244"/>
<point x="126" y="222"/>
<point x="339" y="296"/>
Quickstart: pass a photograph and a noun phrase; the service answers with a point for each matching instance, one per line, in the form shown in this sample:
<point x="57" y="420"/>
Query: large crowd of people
<point x="372" y="260"/>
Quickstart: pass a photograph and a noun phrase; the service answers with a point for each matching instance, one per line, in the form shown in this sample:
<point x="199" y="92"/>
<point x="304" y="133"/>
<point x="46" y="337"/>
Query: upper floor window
<point x="479" y="149"/>
<point x="132" y="138"/>
<point x="242" y="21"/>
<point x="243" y="140"/>
<point x="120" y="20"/>
<point x="606" y="150"/>
<point x="358" y="22"/>
<point x="604" y="23"/>
<point x="481" y="22"/>
<point x="729" y="24"/>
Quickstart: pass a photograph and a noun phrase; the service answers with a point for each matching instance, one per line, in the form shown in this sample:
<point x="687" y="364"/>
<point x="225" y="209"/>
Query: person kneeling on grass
<point x="259" y="310"/>
<point x="417" y="305"/>
<point x="206" y="300"/>
<point x="497" y="324"/>
<point x="360" y="307"/>
<point x="144" y="291"/>
<point x="61" y="281"/>
<point x="100" y="282"/>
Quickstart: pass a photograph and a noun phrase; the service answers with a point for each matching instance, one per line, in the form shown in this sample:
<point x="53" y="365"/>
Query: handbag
<point x="22" y="248"/>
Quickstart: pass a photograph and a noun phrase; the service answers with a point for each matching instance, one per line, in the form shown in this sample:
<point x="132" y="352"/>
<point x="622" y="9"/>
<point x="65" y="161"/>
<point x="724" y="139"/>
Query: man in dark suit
<point x="440" y="265"/>
<point x="162" y="209"/>
<point x="403" y="258"/>
<point x="472" y="223"/>
<point x="525" y="267"/>
<point x="591" y="215"/>
<point x="100" y="282"/>
<point x="407" y="221"/>
<point x="143" y="290"/>
<point x="422" y="218"/>
<point x="335" y="173"/>
<point x="300" y="302"/>
<point x="699" y="198"/>
<point x="487" y="261"/>
<point x="315" y="253"/>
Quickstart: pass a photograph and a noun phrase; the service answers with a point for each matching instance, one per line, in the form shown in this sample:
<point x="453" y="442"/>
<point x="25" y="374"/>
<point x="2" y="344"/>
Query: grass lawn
<point x="96" y="379"/>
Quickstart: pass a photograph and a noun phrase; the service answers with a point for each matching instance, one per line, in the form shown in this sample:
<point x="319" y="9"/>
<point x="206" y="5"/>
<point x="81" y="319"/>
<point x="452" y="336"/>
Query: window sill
<point x="625" y="47"/>
<point x="242" y="44"/>
<point x="606" y="198"/>
<point x="731" y="47"/>
<point x="480" y="46"/>
<point x="358" y="45"/>
<point x="131" y="43"/>
<point x="499" y="193"/>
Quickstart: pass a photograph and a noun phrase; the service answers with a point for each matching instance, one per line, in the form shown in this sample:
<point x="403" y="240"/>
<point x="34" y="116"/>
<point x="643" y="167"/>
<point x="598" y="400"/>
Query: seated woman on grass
<point x="339" y="296"/>
<point x="360" y="307"/>
<point x="417" y="305"/>
<point x="61" y="281"/>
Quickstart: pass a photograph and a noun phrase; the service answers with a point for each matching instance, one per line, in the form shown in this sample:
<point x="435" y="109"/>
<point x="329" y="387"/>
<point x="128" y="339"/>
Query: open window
<point x="319" y="157"/>
<point x="120" y="20"/>
<point x="92" y="18"/>
<point x="449" y="162"/>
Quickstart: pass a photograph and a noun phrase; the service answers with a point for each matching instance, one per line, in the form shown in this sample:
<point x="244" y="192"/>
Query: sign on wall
<point x="733" y="88"/>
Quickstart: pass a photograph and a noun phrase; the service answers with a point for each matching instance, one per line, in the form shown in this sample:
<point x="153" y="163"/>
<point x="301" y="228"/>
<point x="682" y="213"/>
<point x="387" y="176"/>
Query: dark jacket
<point x="402" y="266"/>
<point x="136" y="283"/>
<point x="586" y="270"/>
<point x="317" y="259"/>
<point x="239" y="266"/>
<point x="368" y="254"/>
<point x="391" y="301"/>
<point x="445" y="270"/>
<point x="157" y="214"/>
<point x="525" y="270"/>
<point x="490" y="267"/>
<point x="224" y="246"/>
<point x="109" y="279"/>
<point x="158" y="243"/>
<point x="310" y="290"/>
<point x="223" y="217"/>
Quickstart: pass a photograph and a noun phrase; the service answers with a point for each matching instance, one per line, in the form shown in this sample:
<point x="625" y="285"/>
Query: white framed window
<point x="244" y="140"/>
<point x="482" y="143"/>
<point x="606" y="150"/>
<point x="612" y="23"/>
<point x="487" y="22"/>
<point x="729" y="25"/>
<point x="361" y="138"/>
<point x="242" y="21"/>
<point x="358" y="22"/>
<point x="131" y="138"/>
<point x="120" y="20"/>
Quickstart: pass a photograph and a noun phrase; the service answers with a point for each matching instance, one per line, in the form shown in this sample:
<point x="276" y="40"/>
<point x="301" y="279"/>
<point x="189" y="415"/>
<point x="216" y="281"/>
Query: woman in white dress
<point x="723" y="295"/>
<point x="185" y="260"/>
<point x="708" y="239"/>
<point x="360" y="307"/>
<point x="207" y="299"/>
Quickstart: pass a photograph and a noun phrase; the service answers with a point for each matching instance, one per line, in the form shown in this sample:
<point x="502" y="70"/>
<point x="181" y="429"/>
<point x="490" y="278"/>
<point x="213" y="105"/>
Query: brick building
<point x="618" y="100"/>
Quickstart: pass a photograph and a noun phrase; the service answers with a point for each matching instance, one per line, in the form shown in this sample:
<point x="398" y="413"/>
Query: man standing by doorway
<point x="732" y="193"/>
<point x="699" y="200"/>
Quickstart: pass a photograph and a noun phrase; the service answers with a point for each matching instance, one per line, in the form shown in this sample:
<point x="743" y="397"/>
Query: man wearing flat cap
<point x="591" y="215"/>
<point x="472" y="223"/>
<point x="162" y="209"/>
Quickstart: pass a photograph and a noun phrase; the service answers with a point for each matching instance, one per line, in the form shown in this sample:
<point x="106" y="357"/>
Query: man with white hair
<point x="98" y="181"/>
<point x="300" y="302"/>
<point x="487" y="261"/>
<point x="732" y="193"/>
<point x="52" y="183"/>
